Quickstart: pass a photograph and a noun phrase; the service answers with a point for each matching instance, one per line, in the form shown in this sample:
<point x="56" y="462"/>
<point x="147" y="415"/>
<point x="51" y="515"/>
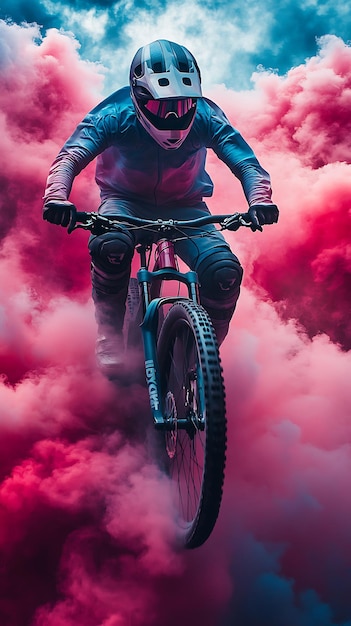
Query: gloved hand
<point x="60" y="212"/>
<point x="262" y="214"/>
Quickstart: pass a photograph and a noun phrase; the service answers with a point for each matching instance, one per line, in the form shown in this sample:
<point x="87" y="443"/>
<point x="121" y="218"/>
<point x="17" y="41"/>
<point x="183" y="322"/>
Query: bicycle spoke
<point x="188" y="487"/>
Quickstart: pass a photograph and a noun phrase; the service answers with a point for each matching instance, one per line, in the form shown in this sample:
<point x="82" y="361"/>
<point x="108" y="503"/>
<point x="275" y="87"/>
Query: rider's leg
<point x="111" y="256"/>
<point x="220" y="275"/>
<point x="218" y="269"/>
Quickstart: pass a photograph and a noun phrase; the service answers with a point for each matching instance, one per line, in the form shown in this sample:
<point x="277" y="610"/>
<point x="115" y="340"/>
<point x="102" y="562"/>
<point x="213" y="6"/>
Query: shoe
<point x="110" y="355"/>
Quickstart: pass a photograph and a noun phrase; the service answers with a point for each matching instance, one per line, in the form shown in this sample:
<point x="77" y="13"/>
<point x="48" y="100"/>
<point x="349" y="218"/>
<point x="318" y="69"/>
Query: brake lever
<point x="233" y="219"/>
<point x="237" y="219"/>
<point x="86" y="226"/>
<point x="97" y="224"/>
<point x="243" y="222"/>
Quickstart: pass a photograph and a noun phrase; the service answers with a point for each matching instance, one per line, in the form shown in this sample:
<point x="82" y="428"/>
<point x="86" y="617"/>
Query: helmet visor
<point x="169" y="114"/>
<point x="169" y="108"/>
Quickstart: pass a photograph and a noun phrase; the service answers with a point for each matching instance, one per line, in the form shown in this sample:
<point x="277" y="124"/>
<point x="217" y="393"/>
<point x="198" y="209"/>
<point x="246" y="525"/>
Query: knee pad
<point x="220" y="275"/>
<point x="111" y="256"/>
<point x="112" y="252"/>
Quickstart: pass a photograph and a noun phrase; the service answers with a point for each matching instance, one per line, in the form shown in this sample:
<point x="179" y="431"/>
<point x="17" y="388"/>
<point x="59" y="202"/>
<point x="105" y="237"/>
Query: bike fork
<point x="166" y="268"/>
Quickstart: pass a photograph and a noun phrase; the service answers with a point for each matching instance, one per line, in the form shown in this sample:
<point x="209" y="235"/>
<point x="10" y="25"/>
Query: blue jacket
<point x="131" y="165"/>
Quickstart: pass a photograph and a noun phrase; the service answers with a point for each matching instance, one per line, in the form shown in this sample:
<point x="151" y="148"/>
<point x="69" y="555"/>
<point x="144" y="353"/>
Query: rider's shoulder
<point x="210" y="109"/>
<point x="209" y="119"/>
<point x="114" y="113"/>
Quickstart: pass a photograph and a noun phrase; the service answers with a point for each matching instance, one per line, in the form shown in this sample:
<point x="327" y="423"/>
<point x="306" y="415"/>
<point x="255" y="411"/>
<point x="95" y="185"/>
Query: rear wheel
<point x="194" y="439"/>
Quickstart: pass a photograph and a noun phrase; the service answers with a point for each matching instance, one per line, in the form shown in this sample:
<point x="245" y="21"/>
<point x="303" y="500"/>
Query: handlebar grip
<point x="82" y="216"/>
<point x="77" y="216"/>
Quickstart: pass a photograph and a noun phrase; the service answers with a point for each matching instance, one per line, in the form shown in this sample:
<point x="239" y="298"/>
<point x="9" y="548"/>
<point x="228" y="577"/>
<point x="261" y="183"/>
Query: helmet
<point x="165" y="82"/>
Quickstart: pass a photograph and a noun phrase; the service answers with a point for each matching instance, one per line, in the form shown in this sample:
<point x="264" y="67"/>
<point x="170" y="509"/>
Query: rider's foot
<point x="110" y="355"/>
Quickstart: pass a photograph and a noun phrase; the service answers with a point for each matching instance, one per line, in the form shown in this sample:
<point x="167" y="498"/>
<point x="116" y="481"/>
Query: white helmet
<point x="165" y="82"/>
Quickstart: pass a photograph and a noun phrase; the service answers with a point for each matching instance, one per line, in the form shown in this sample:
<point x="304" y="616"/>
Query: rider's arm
<point x="91" y="137"/>
<point x="235" y="152"/>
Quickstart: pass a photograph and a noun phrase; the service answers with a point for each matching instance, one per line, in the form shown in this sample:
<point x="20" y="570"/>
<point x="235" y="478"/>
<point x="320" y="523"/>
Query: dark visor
<point x="166" y="108"/>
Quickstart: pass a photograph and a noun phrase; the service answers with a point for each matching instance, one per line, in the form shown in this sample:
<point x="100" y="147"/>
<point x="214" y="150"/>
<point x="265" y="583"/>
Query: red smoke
<point x="84" y="533"/>
<point x="300" y="126"/>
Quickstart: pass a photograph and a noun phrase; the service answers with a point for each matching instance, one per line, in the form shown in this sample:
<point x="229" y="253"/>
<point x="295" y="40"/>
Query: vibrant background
<point x="85" y="537"/>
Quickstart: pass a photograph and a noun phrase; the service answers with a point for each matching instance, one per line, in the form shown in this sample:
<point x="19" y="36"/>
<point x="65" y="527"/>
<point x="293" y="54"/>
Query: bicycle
<point x="182" y="368"/>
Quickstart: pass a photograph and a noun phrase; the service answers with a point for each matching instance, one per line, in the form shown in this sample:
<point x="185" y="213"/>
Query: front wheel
<point x="194" y="437"/>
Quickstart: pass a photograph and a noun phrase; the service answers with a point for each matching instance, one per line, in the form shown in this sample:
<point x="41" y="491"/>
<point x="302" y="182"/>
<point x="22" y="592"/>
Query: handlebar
<point x="101" y="223"/>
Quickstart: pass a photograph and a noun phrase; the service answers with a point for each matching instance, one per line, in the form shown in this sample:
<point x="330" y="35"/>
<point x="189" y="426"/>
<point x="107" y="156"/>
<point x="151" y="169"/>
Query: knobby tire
<point x="193" y="391"/>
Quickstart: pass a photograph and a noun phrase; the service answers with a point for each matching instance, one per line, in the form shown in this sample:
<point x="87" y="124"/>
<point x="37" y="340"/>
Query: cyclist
<point x="150" y="140"/>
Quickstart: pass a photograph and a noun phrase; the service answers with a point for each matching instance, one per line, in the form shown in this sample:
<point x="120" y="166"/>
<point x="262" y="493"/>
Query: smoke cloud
<point x="85" y="531"/>
<point x="299" y="126"/>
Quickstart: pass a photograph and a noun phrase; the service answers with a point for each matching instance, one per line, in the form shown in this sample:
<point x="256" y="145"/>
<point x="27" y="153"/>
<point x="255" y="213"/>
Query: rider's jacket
<point x="131" y="165"/>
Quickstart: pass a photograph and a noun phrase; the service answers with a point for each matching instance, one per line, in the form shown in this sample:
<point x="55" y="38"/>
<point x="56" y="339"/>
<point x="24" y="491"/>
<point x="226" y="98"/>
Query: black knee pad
<point x="112" y="252"/>
<point x="220" y="276"/>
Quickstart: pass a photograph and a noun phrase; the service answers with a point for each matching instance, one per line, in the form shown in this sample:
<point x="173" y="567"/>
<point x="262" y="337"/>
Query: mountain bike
<point x="183" y="369"/>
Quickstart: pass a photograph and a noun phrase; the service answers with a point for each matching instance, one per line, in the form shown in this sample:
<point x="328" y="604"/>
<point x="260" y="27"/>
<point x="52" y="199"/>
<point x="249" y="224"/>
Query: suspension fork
<point x="166" y="259"/>
<point x="165" y="268"/>
<point x="149" y="332"/>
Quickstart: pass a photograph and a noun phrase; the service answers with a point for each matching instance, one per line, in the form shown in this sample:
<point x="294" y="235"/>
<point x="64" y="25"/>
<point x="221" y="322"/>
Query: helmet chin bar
<point x="167" y="139"/>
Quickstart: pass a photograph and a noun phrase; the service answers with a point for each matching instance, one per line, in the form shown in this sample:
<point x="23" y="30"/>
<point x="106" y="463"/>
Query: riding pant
<point x="218" y="269"/>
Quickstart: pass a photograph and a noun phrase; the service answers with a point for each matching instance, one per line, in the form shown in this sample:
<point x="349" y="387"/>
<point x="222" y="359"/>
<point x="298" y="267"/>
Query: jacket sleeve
<point x="233" y="150"/>
<point x="91" y="137"/>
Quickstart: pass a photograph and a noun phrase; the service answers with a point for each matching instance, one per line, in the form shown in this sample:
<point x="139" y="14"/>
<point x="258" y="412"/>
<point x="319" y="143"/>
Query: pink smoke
<point x="85" y="533"/>
<point x="300" y="126"/>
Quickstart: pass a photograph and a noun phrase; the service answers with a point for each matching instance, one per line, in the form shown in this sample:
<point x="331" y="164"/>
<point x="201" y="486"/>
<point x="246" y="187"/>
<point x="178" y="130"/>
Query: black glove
<point x="262" y="214"/>
<point x="60" y="212"/>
